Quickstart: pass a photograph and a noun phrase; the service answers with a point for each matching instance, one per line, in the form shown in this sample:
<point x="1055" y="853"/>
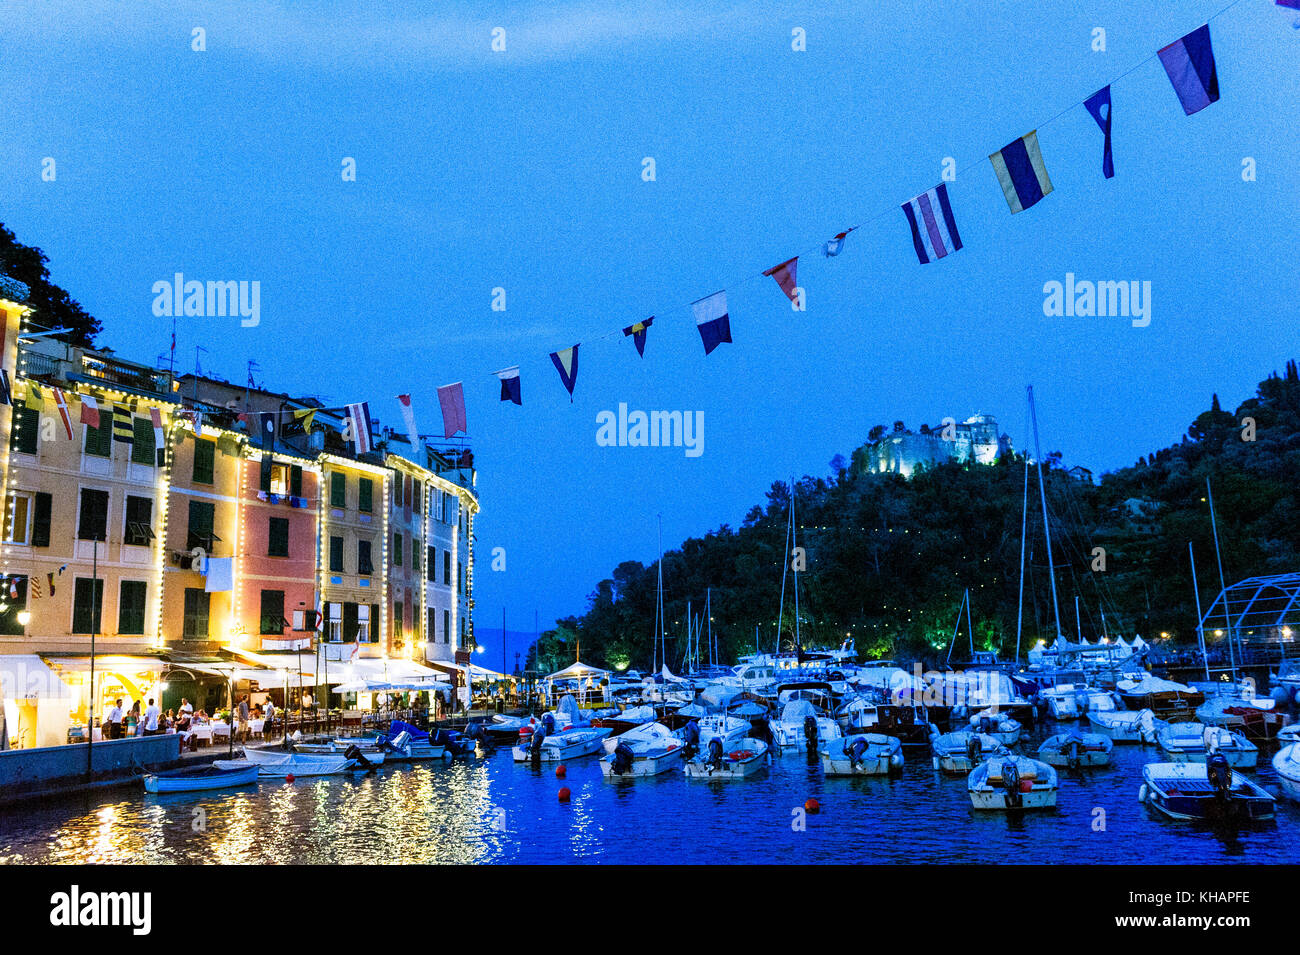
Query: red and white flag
<point x="452" y="399"/>
<point x="158" y="438"/>
<point x="89" y="411"/>
<point x="63" y="411"/>
<point x="408" y="416"/>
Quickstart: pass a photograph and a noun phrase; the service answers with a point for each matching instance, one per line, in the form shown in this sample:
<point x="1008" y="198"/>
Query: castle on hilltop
<point x="975" y="440"/>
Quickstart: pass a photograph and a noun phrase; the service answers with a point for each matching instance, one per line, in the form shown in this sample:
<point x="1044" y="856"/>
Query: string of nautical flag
<point x="1020" y="171"/>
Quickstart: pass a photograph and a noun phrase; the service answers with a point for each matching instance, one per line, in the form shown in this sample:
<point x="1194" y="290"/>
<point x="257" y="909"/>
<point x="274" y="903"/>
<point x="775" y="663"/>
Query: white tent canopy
<point x="578" y="671"/>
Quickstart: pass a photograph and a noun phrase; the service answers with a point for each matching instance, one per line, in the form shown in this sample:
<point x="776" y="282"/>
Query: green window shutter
<point x="130" y="607"/>
<point x="25" y="433"/>
<point x="338" y="489"/>
<point x="431" y="562"/>
<point x="295" y="480"/>
<point x="272" y="611"/>
<point x="336" y="555"/>
<point x="365" y="495"/>
<point x="139" y="521"/>
<point x="142" y="447"/>
<point x="364" y="566"/>
<point x="397" y="550"/>
<point x="278" y="537"/>
<point x="197" y="602"/>
<point x="200" y="525"/>
<point x="41" y="519"/>
<point x="349" y="622"/>
<point x="93" y="519"/>
<point x="205" y="454"/>
<point x="87" y="604"/>
<point x="265" y="481"/>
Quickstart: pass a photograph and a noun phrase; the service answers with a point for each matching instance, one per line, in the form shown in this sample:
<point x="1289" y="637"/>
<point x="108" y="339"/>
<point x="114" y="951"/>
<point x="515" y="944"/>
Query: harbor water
<point x="490" y="810"/>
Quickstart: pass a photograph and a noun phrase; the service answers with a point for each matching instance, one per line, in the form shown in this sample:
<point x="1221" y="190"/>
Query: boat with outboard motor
<point x="1194" y="742"/>
<point x="716" y="761"/>
<point x="1211" y="791"/>
<point x="962" y="751"/>
<point x="862" y="754"/>
<point x="1126" y="726"/>
<point x="571" y="744"/>
<point x="998" y="725"/>
<point x="1063" y="700"/>
<point x="645" y="750"/>
<point x="1076" y="750"/>
<point x="909" y="724"/>
<point x="197" y="779"/>
<point x="1012" y="782"/>
<point x="1170" y="701"/>
<point x="1256" y="718"/>
<point x="801" y="727"/>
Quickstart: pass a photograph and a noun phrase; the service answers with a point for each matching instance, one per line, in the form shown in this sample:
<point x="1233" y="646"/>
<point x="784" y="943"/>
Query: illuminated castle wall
<point x="974" y="440"/>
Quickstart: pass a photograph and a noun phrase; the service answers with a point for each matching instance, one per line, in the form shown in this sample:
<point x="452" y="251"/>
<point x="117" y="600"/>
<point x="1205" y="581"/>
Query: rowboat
<point x="865" y="754"/>
<point x="1256" y="718"/>
<point x="561" y="746"/>
<point x="745" y="760"/>
<point x="1286" y="762"/>
<point x="962" y="751"/>
<point x="1012" y="782"/>
<point x="279" y="763"/>
<point x="200" y="778"/>
<point x="1191" y="742"/>
<point x="1076" y="750"/>
<point x="1203" y="791"/>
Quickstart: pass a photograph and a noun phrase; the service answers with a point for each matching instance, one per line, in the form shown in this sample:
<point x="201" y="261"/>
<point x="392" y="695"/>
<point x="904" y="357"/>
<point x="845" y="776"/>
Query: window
<point x="139" y="521"/>
<point x="41" y="509"/>
<point x="278" y="537"/>
<point x="273" y="611"/>
<point x="430" y="630"/>
<point x="205" y="456"/>
<point x="295" y="480"/>
<point x="338" y="489"/>
<point x="431" y="568"/>
<point x="364" y="567"/>
<point x="446" y="567"/>
<point x="397" y="490"/>
<point x="195" y="626"/>
<point x="336" y="555"/>
<point x="397" y="550"/>
<point x="415" y="556"/>
<point x="334" y="623"/>
<point x="9" y="625"/>
<point x="399" y="631"/>
<point x="417" y="492"/>
<point x="200" y="533"/>
<point x="93" y="521"/>
<point x="142" y="446"/>
<point x="87" y="603"/>
<point x="26" y="429"/>
<point x="130" y="606"/>
<point x="446" y="626"/>
<point x="99" y="441"/>
<point x="365" y="495"/>
<point x="18" y="515"/>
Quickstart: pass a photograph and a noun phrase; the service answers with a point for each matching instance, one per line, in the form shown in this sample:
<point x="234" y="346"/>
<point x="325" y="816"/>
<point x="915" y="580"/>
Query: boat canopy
<point x="796" y="711"/>
<point x="719" y="694"/>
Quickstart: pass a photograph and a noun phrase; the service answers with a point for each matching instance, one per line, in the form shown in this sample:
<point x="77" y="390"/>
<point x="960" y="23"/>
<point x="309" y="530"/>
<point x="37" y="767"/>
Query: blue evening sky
<point x="522" y="170"/>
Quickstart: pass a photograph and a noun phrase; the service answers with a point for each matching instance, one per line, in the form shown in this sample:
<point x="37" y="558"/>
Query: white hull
<point x="573" y="745"/>
<point x="1076" y="751"/>
<point x="1185" y="743"/>
<point x="1124" y="726"/>
<point x="1036" y="789"/>
<point x="1287" y="763"/>
<point x="882" y="755"/>
<point x="752" y="758"/>
<point x="648" y="765"/>
<point x="998" y="800"/>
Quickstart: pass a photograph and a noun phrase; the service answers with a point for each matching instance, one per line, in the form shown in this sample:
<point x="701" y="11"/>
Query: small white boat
<point x="715" y="762"/>
<point x="1192" y="742"/>
<point x="998" y="725"/>
<point x="729" y="729"/>
<point x="960" y="752"/>
<point x="1063" y="700"/>
<point x="800" y="725"/>
<point x="1012" y="782"/>
<point x="200" y="778"/>
<point x="1289" y="734"/>
<point x="1126" y="726"/>
<point x="651" y="751"/>
<point x="280" y="763"/>
<point x="1098" y="701"/>
<point x="1286" y="762"/>
<point x="1203" y="791"/>
<point x="864" y="754"/>
<point x="1076" y="750"/>
<point x="570" y="745"/>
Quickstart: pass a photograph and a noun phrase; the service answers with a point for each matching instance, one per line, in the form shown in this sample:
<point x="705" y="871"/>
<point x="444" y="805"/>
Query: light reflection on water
<point x="492" y="811"/>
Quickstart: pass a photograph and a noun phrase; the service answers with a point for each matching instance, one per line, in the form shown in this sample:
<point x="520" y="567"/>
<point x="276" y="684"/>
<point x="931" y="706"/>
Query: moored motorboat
<point x="998" y="725"/>
<point x="629" y="719"/>
<point x="1012" y="782"/>
<point x="280" y="763"/>
<point x="196" y="779"/>
<point x="562" y="746"/>
<point x="1063" y="700"/>
<point x="863" y="754"/>
<point x="1076" y="750"/>
<point x="646" y="750"/>
<point x="1170" y="701"/>
<point x="717" y="762"/>
<point x="1193" y="742"/>
<point x="1286" y="763"/>
<point x="908" y="723"/>
<point x="801" y="727"/>
<point x="1126" y="726"/>
<point x="962" y="751"/>
<point x="1210" y="791"/>
<point x="1256" y="718"/>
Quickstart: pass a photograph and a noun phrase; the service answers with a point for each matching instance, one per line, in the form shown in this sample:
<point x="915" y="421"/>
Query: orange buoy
<point x="812" y="806"/>
<point x="289" y="778"/>
<point x="1026" y="785"/>
<point x="564" y="794"/>
<point x="560" y="771"/>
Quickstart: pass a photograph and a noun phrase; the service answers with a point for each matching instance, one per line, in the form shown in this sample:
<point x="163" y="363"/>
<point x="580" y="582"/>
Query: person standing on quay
<point x="151" y="719"/>
<point x="114" y="720"/>
<point x="243" y="718"/>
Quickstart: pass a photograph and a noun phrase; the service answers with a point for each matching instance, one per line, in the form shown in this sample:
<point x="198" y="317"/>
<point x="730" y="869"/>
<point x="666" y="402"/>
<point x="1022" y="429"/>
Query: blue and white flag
<point x="836" y="245"/>
<point x="566" y="363"/>
<point x="510" y="384"/>
<point x="711" y="319"/>
<point x="359" y="426"/>
<point x="934" y="230"/>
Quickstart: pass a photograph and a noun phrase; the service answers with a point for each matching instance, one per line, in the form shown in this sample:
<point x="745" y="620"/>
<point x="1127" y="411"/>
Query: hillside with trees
<point x="888" y="558"/>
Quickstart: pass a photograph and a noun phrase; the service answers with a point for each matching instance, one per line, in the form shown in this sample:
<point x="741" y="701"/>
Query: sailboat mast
<point x="798" y="643"/>
<point x="1020" y="598"/>
<point x="1047" y="529"/>
<point x="708" y="610"/>
<point x="659" y="602"/>
<point x="1223" y="586"/>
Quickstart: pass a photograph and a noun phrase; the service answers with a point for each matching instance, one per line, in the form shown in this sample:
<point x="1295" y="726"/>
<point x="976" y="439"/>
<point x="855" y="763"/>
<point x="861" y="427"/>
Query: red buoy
<point x="564" y="794"/>
<point x="560" y="771"/>
<point x="289" y="778"/>
<point x="812" y="806"/>
<point x="1026" y="785"/>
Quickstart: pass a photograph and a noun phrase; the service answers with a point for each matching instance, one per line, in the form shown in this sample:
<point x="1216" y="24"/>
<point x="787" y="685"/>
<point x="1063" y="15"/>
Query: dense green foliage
<point x="888" y="558"/>
<point x="54" y="308"/>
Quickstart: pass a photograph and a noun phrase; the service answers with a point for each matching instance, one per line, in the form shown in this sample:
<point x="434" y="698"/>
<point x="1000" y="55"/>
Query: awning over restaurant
<point x="26" y="676"/>
<point x="578" y="671"/>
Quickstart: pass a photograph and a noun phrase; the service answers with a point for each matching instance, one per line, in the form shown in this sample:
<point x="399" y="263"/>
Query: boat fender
<point x="1143" y="792"/>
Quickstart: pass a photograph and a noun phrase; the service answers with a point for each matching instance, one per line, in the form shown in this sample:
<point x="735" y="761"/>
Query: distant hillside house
<point x="1080" y="473"/>
<point x="975" y="440"/>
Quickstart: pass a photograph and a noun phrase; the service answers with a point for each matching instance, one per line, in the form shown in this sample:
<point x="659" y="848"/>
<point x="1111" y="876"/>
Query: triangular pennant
<point x="1098" y="104"/>
<point x="785" y="277"/>
<point x="836" y="245"/>
<point x="566" y="363"/>
<point x="637" y="332"/>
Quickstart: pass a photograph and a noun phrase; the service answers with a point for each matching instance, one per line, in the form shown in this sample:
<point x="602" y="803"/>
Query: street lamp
<point x="24" y="617"/>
